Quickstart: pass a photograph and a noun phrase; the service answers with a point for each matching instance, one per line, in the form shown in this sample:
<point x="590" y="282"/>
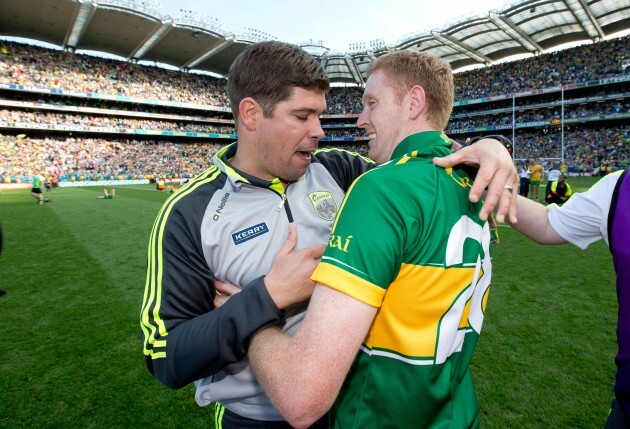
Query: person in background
<point x="160" y="184"/>
<point x="563" y="169"/>
<point x="37" y="190"/>
<point x="494" y="231"/>
<point x="536" y="172"/>
<point x="552" y="176"/>
<point x="559" y="192"/>
<point x="523" y="173"/>
<point x="107" y="195"/>
<point x="170" y="188"/>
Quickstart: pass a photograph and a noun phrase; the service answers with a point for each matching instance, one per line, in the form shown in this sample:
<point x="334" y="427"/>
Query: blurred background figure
<point x="523" y="172"/>
<point x="552" y="176"/>
<point x="559" y="191"/>
<point x="107" y="195"/>
<point x="160" y="184"/>
<point x="494" y="232"/>
<point x="37" y="190"/>
<point x="536" y="172"/>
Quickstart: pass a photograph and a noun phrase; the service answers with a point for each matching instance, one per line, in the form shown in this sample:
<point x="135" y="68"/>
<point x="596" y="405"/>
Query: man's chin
<point x="294" y="174"/>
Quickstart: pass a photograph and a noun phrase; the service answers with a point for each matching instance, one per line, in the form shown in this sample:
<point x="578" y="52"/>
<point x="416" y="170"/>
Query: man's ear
<point x="418" y="102"/>
<point x="249" y="112"/>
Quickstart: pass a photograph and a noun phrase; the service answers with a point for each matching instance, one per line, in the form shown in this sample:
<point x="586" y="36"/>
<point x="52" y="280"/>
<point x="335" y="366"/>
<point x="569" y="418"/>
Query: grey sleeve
<point x="185" y="337"/>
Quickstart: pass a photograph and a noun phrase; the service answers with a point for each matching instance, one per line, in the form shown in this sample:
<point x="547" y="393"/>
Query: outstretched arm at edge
<point x="533" y="222"/>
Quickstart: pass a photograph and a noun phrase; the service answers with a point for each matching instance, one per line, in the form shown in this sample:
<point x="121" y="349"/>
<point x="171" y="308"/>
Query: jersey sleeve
<point x="343" y="165"/>
<point x="185" y="337"/>
<point x="583" y="219"/>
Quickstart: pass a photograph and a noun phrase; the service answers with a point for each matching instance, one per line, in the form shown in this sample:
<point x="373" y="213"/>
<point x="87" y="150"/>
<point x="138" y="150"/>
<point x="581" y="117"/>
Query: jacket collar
<point x="222" y="161"/>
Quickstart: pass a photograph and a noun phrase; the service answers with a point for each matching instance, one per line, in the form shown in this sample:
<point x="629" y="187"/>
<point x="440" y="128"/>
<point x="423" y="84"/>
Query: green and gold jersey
<point x="408" y="241"/>
<point x="535" y="171"/>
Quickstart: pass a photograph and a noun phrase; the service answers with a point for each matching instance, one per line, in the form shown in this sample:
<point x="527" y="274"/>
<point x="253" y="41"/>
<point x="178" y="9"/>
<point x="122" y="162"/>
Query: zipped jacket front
<point x="228" y="225"/>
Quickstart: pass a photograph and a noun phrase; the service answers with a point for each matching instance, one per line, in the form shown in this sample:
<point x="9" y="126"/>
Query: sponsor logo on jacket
<point x="323" y="204"/>
<point x="217" y="213"/>
<point x="250" y="232"/>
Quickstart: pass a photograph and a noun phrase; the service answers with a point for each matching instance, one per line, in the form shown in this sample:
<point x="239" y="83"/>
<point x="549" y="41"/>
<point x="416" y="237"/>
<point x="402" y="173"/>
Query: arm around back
<point x="303" y="374"/>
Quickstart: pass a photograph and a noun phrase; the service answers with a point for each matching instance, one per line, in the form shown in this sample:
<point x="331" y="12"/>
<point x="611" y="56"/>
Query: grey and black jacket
<point x="228" y="225"/>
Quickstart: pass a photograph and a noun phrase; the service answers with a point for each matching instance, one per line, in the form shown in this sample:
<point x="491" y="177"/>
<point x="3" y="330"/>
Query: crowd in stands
<point x="600" y="109"/>
<point x="95" y="159"/>
<point x="585" y="147"/>
<point x="79" y="159"/>
<point x="12" y="117"/>
<point x="553" y="99"/>
<point x="84" y="158"/>
<point x="33" y="99"/>
<point x="541" y="115"/>
<point x="343" y="133"/>
<point x="30" y="65"/>
<point x="579" y="64"/>
<point x="344" y="100"/>
<point x="112" y="123"/>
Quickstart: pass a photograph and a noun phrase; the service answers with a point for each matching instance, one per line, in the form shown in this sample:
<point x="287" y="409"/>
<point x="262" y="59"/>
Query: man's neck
<point x="241" y="161"/>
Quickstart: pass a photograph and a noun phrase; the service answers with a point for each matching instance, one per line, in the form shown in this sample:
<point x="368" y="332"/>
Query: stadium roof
<point x="137" y="31"/>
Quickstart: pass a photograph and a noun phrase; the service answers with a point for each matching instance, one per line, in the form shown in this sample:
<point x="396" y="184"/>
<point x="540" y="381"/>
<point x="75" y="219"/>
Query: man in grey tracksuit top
<point x="230" y="226"/>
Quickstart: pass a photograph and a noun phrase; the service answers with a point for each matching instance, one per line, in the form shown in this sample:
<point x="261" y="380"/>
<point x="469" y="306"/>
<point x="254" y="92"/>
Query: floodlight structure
<point x="255" y="36"/>
<point x="377" y="44"/>
<point x="196" y="19"/>
<point x="356" y="46"/>
<point x="315" y="47"/>
<point x="150" y="7"/>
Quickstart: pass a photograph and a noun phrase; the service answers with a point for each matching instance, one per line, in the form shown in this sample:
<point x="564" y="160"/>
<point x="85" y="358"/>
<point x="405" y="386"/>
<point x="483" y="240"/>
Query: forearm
<point x="295" y="382"/>
<point x="533" y="222"/>
<point x="207" y="343"/>
<point x="303" y="374"/>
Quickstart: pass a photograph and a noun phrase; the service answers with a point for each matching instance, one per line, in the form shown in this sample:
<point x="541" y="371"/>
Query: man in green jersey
<point x="107" y="195"/>
<point x="403" y="283"/>
<point x="37" y="191"/>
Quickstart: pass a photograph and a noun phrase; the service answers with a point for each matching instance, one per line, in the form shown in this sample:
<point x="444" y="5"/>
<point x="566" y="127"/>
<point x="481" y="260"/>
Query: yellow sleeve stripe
<point x="336" y="149"/>
<point x="345" y="282"/>
<point x="405" y="158"/>
<point x="151" y="322"/>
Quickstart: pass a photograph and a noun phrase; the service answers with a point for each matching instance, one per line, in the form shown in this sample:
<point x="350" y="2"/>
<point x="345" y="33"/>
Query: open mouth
<point x="305" y="155"/>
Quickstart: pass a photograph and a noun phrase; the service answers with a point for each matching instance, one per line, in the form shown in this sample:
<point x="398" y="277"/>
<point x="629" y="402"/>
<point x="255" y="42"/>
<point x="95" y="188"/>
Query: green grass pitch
<point x="71" y="348"/>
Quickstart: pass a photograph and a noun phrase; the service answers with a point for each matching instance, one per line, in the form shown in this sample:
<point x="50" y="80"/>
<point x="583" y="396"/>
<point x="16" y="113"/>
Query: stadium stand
<point x="82" y="159"/>
<point x="80" y="117"/>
